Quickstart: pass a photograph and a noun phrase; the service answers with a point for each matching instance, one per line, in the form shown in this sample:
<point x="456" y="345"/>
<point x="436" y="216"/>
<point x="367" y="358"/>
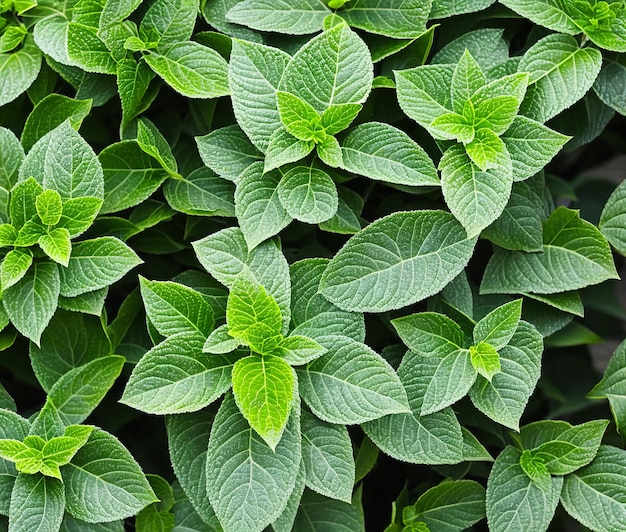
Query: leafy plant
<point x="311" y="265"/>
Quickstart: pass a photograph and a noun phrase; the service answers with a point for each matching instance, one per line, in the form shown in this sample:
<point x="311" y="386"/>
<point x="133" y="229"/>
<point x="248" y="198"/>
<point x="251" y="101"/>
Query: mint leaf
<point x="613" y="213"/>
<point x="18" y="70"/>
<point x="201" y="193"/>
<point x="56" y="244"/>
<point x="22" y="206"/>
<point x="95" y="264"/>
<point x="237" y="452"/>
<point x="31" y="302"/>
<point x="485" y="359"/>
<point x="133" y="80"/>
<point x="11" y="157"/>
<point x="516" y="501"/>
<point x="338" y="117"/>
<point x="578" y="247"/>
<point x="152" y="142"/>
<point x="86" y="50"/>
<point x="299" y="118"/>
<point x="498" y="327"/>
<point x="37" y="502"/>
<point x="432" y="242"/>
<point x="487" y="151"/>
<point x="297" y="350"/>
<point x="351" y="384"/>
<point x="466" y="80"/>
<point x="103" y="481"/>
<point x="406" y="20"/>
<point x="174" y="308"/>
<point x="549" y="13"/>
<point x="380" y="151"/>
<point x="191" y="69"/>
<point x="172" y="21"/>
<point x="284" y="148"/>
<point x="429" y="334"/>
<point x="609" y="83"/>
<point x="452" y="126"/>
<point x="49" y="207"/>
<point x="14" y="267"/>
<point x="444" y="9"/>
<point x="295" y="17"/>
<point x="263" y="388"/>
<point x="333" y="68"/>
<point x="486" y="45"/>
<point x="176" y="377"/>
<point x="308" y="194"/>
<point x="317" y="511"/>
<point x="219" y="342"/>
<point x="535" y="468"/>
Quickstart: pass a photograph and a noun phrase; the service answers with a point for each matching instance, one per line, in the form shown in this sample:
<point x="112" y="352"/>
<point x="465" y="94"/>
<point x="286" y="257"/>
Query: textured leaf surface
<point x="37" y="503"/>
<point x="429" y="334"/>
<point x="613" y="219"/>
<point x="308" y="194"/>
<point x="396" y="261"/>
<point x="400" y="20"/>
<point x="248" y="483"/>
<point x="201" y="194"/>
<point x="317" y="513"/>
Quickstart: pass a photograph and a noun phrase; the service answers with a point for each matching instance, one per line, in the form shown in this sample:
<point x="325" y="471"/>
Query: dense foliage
<point x="312" y="265"/>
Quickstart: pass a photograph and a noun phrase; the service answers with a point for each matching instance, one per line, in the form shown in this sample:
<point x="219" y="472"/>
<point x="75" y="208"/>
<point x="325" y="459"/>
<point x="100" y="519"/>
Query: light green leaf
<point x="563" y="448"/>
<point x="531" y="146"/>
<point x="485" y="360"/>
<point x="400" y="20"/>
<point x="18" y="70"/>
<point x="498" y="327"/>
<point x="63" y="161"/>
<point x="308" y="194"/>
<point x="87" y="303"/>
<point x="380" y="151"/>
<point x="560" y="75"/>
<point x="514" y="501"/>
<point x="51" y="112"/>
<point x="329" y="151"/>
<point x="429" y="334"/>
<point x="56" y="244"/>
<point x="176" y="377"/>
<point x="259" y="211"/>
<point x="49" y="207"/>
<point x="487" y="151"/>
<point x="219" y="342"/>
<point x="31" y="302"/>
<point x="193" y="70"/>
<point x="95" y="264"/>
<point x="37" y="503"/>
<point x="583" y="255"/>
<point x="317" y="512"/>
<point x="595" y="494"/>
<point x="452" y="126"/>
<point x="188" y="442"/>
<point x="254" y="73"/>
<point x="423" y="251"/>
<point x="227" y="151"/>
<point x="175" y="308"/>
<point x="133" y="80"/>
<point x="86" y="50"/>
<point x="338" y="117"/>
<point x="466" y="80"/>
<point x="263" y="388"/>
<point x="346" y="221"/>
<point x="299" y="118"/>
<point x="22" y="206"/>
<point x="505" y="397"/>
<point x="103" y="481"/>
<point x="295" y="17"/>
<point x="171" y="20"/>
<point x="215" y="15"/>
<point x="14" y="266"/>
<point x="450" y="506"/>
<point x="333" y="68"/>
<point x="612" y="386"/>
<point x="249" y="484"/>
<point x="549" y="13"/>
<point x="297" y="350"/>
<point x="225" y="255"/>
<point x="351" y="384"/>
<point x="152" y="142"/>
<point x="201" y="193"/>
<point x="535" y="469"/>
<point x="284" y="148"/>
<point x="130" y="175"/>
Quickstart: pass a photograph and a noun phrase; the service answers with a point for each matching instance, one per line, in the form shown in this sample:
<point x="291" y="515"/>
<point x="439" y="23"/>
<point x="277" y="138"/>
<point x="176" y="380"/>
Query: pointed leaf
<point x="56" y="244"/>
<point x="498" y="327"/>
<point x="14" y="267"/>
<point x="37" y="503"/>
<point x="308" y="194"/>
<point x="429" y="334"/>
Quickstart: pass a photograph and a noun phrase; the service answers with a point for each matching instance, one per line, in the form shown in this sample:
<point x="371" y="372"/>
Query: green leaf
<point x="531" y="146"/>
<point x="254" y="73"/>
<point x="171" y="20"/>
<point x="498" y="327"/>
<point x="351" y="384"/>
<point x="249" y="483"/>
<point x="225" y="255"/>
<point x="259" y="211"/>
<point x="445" y="9"/>
<point x="201" y="194"/>
<point x="18" y="70"/>
<point x="611" y="221"/>
<point x="612" y="386"/>
<point x="31" y="302"/>
<point x="14" y="267"/>
<point x="297" y="350"/>
<point x="595" y="494"/>
<point x="308" y="194"/>
<point x="380" y="151"/>
<point x="485" y="359"/>
<point x="56" y="244"/>
<point x="11" y="157"/>
<point x="450" y="506"/>
<point x="429" y="334"/>
<point x="77" y="393"/>
<point x="103" y="481"/>
<point x="338" y="117"/>
<point x="62" y="160"/>
<point x="535" y="469"/>
<point x="466" y="80"/>
<point x="152" y="142"/>
<point x="191" y="69"/>
<point x="219" y="342"/>
<point x="37" y="503"/>
<point x="452" y="126"/>
<point x="299" y="118"/>
<point x="175" y="308"/>
<point x="295" y="17"/>
<point x="284" y="148"/>
<point x="327" y="457"/>
<point x="227" y="151"/>
<point x="130" y="175"/>
<point x="86" y="50"/>
<point x="71" y="341"/>
<point x="577" y="246"/>
<point x="285" y="522"/>
<point x="486" y="45"/>
<point x="487" y="151"/>
<point x="404" y="20"/>
<point x="560" y="74"/>
<point x="514" y="501"/>
<point x="264" y="388"/>
<point x="95" y="264"/>
<point x="609" y="85"/>
<point x="51" y="112"/>
<point x="431" y="247"/>
<point x="505" y="397"/>
<point x="22" y="202"/>
<point x="333" y="68"/>
<point x="188" y="442"/>
<point x="563" y="448"/>
<point x="133" y="80"/>
<point x="549" y="13"/>
<point x="49" y="207"/>
<point x="175" y="376"/>
<point x="317" y="512"/>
